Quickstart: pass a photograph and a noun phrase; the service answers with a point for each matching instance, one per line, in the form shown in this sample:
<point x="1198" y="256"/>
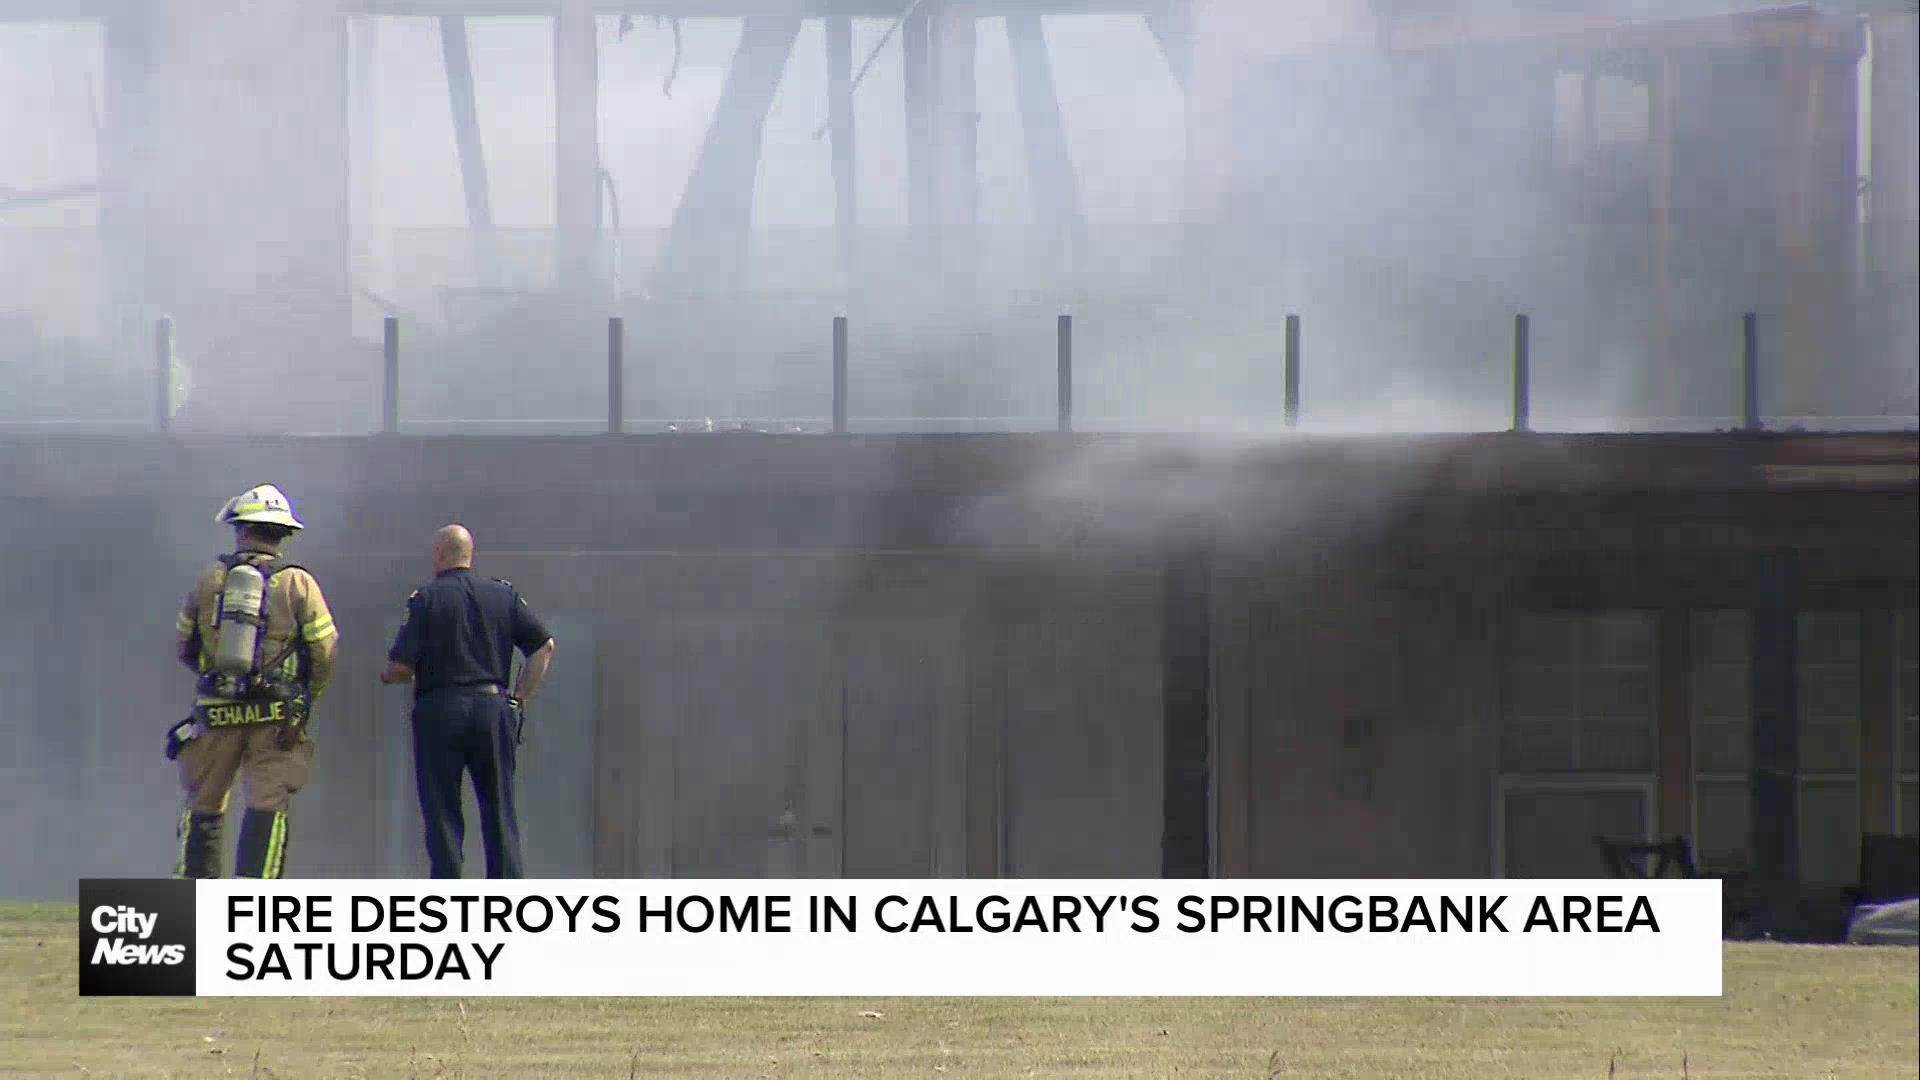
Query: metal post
<point x="616" y="374"/>
<point x="1750" y="372"/>
<point x="1522" y="376"/>
<point x="839" y="374"/>
<point x="1292" y="372"/>
<point x="163" y="365"/>
<point x="1064" y="363"/>
<point x="390" y="406"/>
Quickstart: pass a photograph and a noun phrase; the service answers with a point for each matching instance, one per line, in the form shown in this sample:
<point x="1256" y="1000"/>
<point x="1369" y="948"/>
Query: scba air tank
<point x="240" y="619"/>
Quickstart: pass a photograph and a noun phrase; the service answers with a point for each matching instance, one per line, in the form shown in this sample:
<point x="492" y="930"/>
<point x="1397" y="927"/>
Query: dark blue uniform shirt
<point x="461" y="630"/>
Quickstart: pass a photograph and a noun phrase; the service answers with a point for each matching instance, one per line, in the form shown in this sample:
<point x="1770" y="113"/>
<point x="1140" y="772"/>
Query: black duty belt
<point x="493" y="689"/>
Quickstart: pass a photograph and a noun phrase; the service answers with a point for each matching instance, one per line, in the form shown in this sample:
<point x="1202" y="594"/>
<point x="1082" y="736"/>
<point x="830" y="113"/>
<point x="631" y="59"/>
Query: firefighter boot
<point x="199" y="845"/>
<point x="263" y="844"/>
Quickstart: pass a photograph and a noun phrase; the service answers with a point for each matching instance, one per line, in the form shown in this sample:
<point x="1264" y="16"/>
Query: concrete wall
<point x="744" y="716"/>
<point x="904" y="657"/>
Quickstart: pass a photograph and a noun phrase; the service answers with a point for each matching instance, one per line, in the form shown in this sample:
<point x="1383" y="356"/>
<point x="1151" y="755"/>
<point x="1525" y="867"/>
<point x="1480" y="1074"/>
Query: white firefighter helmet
<point x="265" y="504"/>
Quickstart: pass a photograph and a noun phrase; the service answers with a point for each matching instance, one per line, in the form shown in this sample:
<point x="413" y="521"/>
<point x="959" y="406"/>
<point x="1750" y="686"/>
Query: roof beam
<point x="81" y="10"/>
<point x="742" y="8"/>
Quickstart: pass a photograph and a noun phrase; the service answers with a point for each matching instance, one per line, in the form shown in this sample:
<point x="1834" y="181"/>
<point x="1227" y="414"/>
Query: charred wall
<point x="922" y="656"/>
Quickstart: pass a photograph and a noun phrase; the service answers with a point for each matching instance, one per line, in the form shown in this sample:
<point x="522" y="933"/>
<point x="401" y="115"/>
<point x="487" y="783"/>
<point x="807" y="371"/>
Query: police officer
<point x="257" y="632"/>
<point x="456" y="647"/>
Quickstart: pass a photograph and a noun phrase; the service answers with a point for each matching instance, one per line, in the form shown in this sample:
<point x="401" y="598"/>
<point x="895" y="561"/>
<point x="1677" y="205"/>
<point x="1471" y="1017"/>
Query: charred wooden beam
<point x="840" y="122"/>
<point x="708" y="242"/>
<point x="576" y="84"/>
<point x="1056" y="199"/>
<point x="955" y="152"/>
<point x="957" y="113"/>
<point x="1174" y="32"/>
<point x="916" y="63"/>
<point x="466" y="121"/>
<point x="745" y="9"/>
<point x="80" y="10"/>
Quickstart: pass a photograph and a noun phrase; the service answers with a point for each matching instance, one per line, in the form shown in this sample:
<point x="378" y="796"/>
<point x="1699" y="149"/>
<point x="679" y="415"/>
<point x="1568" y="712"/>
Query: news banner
<point x="1070" y="938"/>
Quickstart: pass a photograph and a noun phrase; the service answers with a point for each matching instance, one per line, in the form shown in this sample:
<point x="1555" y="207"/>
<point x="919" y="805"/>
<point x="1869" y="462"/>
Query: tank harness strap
<point x="276" y="711"/>
<point x="296" y="642"/>
<point x="267" y="574"/>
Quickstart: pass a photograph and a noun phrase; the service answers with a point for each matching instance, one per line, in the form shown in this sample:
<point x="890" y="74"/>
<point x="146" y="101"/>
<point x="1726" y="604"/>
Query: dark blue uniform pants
<point x="458" y="733"/>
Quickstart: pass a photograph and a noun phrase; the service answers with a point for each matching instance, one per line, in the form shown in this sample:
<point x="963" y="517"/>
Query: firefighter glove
<point x="299" y="709"/>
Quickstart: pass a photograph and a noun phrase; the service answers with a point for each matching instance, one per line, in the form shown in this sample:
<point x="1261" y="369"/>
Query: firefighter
<point x="456" y="647"/>
<point x="257" y="632"/>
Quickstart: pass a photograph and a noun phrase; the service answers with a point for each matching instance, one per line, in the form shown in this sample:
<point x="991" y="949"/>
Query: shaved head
<point x="452" y="547"/>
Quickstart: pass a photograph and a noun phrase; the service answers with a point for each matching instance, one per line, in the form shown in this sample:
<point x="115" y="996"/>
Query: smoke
<point x="278" y="182"/>
<point x="1405" y="203"/>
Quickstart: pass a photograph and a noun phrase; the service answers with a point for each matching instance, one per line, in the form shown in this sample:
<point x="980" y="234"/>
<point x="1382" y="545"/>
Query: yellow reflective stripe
<point x="317" y="629"/>
<point x="276" y="846"/>
<point x="276" y="855"/>
<point x="183" y="625"/>
<point x="180" y="857"/>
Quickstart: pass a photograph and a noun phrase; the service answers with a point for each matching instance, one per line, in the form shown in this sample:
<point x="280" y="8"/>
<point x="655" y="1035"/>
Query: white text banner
<point x="1308" y="938"/>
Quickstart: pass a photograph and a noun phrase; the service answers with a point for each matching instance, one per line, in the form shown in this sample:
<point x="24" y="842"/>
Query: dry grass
<point x="1789" y="1011"/>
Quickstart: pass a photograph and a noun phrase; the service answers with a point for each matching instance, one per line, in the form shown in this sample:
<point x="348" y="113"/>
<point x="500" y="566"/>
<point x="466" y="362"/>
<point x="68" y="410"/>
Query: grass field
<point x="1789" y="1011"/>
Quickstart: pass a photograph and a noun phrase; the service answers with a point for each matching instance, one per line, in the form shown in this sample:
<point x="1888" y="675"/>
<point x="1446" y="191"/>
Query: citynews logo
<point x="118" y="950"/>
<point x="136" y="937"/>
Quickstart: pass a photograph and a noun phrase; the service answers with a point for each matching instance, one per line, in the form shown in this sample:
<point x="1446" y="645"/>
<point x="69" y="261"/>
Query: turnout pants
<point x="275" y="768"/>
<point x="459" y="733"/>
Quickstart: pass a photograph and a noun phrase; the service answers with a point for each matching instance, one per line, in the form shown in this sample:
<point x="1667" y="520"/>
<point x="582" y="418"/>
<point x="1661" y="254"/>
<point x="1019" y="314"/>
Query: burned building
<point x="1636" y="177"/>
<point x="1039" y="656"/>
<point x="1280" y="652"/>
